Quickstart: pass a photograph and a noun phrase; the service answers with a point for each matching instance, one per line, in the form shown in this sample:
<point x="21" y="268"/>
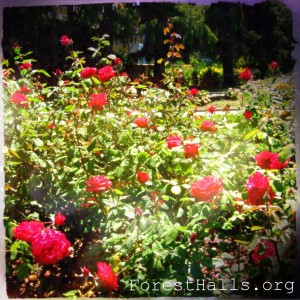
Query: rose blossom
<point x="191" y="150"/>
<point x="173" y="140"/>
<point x="26" y="230"/>
<point x="263" y="250"/>
<point x="268" y="160"/>
<point x="248" y="114"/>
<point x="58" y="72"/>
<point x="117" y="61"/>
<point x="142" y="177"/>
<point x="245" y="75"/>
<point x="85" y="271"/>
<point x="65" y="40"/>
<point x="208" y="126"/>
<point x="206" y="188"/>
<point x="193" y="91"/>
<point x="257" y="188"/>
<point x="273" y="65"/>
<point x="106" y="73"/>
<point x="25" y="65"/>
<point x="59" y="219"/>
<point x="88" y="72"/>
<point x="107" y="276"/>
<point x="19" y="100"/>
<point x="212" y="109"/>
<point x="97" y="101"/>
<point x="142" y="122"/>
<point x="98" y="184"/>
<point x="24" y="90"/>
<point x="193" y="237"/>
<point x="50" y="246"/>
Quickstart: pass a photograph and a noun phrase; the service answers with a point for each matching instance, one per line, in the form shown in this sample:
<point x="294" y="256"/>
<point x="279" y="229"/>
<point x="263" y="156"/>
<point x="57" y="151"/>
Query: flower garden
<point x="120" y="188"/>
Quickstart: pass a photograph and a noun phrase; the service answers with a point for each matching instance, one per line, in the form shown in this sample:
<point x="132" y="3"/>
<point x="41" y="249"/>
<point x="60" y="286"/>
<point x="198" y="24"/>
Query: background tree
<point x="226" y="21"/>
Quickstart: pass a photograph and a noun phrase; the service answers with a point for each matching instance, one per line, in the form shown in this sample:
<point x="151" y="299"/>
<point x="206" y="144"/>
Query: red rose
<point x="117" y="61"/>
<point x="276" y="164"/>
<point x="257" y="188"/>
<point x="106" y="73"/>
<point x="208" y="126"/>
<point x="142" y="122"/>
<point x="107" y="276"/>
<point x="51" y="126"/>
<point x="58" y="72"/>
<point x="98" y="184"/>
<point x="85" y="271"/>
<point x="212" y="109"/>
<point x="193" y="91"/>
<point x="263" y="250"/>
<point x="206" y="188"/>
<point x="25" y="65"/>
<point x="65" y="40"/>
<point x="24" y="90"/>
<point x="26" y="230"/>
<point x="88" y="72"/>
<point x="173" y="140"/>
<point x="269" y="161"/>
<point x="142" y="177"/>
<point x="40" y="86"/>
<point x="248" y="114"/>
<point x="97" y="101"/>
<point x="59" y="219"/>
<point x="20" y="100"/>
<point x="245" y="75"/>
<point x="124" y="74"/>
<point x="50" y="246"/>
<point x="273" y="65"/>
<point x="191" y="150"/>
<point x="193" y="237"/>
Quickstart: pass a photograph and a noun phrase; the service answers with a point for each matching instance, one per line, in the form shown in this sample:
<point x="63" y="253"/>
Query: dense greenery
<point x="142" y="186"/>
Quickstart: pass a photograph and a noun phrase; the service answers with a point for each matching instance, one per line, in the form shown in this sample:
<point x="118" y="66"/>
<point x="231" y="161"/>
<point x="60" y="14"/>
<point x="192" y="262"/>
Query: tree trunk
<point x="227" y="62"/>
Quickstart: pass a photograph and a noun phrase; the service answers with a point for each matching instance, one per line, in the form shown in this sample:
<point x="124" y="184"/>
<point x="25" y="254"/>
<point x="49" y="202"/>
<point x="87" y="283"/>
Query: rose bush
<point x="203" y="214"/>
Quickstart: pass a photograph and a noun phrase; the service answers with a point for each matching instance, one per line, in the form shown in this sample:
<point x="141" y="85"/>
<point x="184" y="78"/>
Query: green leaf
<point x="286" y="152"/>
<point x="92" y="145"/>
<point x="251" y="134"/>
<point x="256" y="228"/>
<point x="43" y="72"/>
<point x="23" y="271"/>
<point x="170" y="236"/>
